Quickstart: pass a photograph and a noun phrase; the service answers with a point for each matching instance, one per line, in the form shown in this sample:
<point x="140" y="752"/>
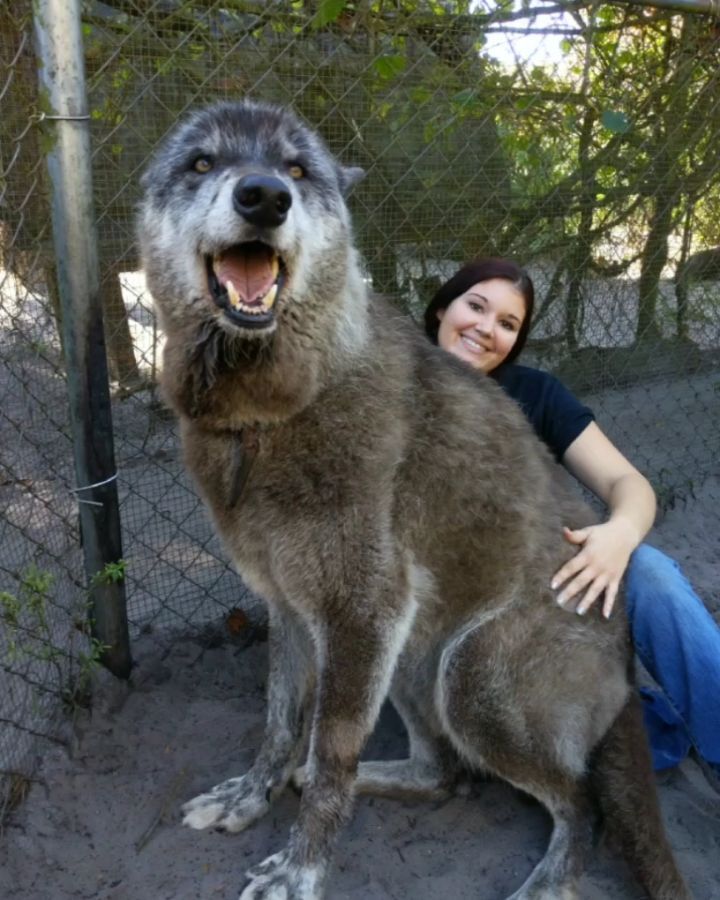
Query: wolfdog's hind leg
<point x="405" y="779"/>
<point x="238" y="802"/>
<point x="431" y="770"/>
<point x="428" y="774"/>
<point x="555" y="876"/>
<point x="491" y="719"/>
<point x="402" y="778"/>
<point x="621" y="774"/>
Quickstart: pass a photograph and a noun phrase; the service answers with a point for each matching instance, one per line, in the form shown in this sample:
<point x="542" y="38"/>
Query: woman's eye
<point x="475" y="307"/>
<point x="296" y="171"/>
<point x="202" y="165"/>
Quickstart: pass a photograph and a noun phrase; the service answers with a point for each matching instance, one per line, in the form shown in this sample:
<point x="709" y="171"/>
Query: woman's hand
<point x="604" y="550"/>
<point x="597" y="567"/>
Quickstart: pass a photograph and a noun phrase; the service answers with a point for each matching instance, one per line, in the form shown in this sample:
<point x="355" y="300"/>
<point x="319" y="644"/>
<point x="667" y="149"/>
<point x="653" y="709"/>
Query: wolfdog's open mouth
<point x="245" y="281"/>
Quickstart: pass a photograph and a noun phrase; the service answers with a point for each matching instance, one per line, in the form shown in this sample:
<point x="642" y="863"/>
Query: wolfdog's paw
<point x="231" y="805"/>
<point x="276" y="878"/>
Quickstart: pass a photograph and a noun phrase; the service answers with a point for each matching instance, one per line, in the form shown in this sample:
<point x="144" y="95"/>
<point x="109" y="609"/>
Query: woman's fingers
<point x="574" y="587"/>
<point x="611" y="592"/>
<point x="591" y="595"/>
<point x="596" y="569"/>
<point x="593" y="587"/>
<point x="571" y="568"/>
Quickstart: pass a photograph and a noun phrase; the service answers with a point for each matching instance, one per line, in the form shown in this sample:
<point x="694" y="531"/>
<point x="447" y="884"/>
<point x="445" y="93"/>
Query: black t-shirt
<point x="557" y="416"/>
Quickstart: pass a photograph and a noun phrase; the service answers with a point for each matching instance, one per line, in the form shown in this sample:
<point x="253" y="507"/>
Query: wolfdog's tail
<point x="624" y="784"/>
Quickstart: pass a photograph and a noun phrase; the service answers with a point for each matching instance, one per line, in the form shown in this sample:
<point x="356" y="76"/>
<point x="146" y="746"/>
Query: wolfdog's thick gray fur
<point x="393" y="508"/>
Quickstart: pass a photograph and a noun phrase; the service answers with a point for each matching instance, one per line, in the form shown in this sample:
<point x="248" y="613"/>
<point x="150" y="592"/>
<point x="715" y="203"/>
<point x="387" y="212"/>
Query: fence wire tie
<point x="90" y="487"/>
<point x="41" y="117"/>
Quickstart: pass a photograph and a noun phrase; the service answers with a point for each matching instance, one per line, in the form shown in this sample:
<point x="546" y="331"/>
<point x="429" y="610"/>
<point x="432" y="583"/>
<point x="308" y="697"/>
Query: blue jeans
<point x="679" y="644"/>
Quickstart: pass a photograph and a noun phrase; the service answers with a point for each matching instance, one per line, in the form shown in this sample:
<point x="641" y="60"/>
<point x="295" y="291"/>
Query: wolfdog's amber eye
<point x="296" y="171"/>
<point x="202" y="164"/>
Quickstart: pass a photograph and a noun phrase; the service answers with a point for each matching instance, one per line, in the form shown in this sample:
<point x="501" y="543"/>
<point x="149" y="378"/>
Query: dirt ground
<point x="102" y="819"/>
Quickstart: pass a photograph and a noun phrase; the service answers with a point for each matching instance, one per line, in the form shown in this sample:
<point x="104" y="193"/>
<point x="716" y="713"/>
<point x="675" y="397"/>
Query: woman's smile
<point x="481" y="326"/>
<point x="473" y="345"/>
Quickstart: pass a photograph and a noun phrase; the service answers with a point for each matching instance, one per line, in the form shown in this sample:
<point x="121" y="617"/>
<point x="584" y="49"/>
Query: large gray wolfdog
<point x="396" y="512"/>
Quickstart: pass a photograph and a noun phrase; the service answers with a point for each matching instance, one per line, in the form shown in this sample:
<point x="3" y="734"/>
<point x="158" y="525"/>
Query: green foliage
<point x="40" y="348"/>
<point x="112" y="573"/>
<point x="11" y="608"/>
<point x="328" y="11"/>
<point x="573" y="163"/>
<point x="32" y="637"/>
<point x="389" y="66"/>
<point x="32" y="596"/>
<point x="35" y="587"/>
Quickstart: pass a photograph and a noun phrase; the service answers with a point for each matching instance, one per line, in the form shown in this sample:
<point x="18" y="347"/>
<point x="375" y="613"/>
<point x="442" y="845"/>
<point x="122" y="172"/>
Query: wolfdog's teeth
<point x="232" y="294"/>
<point x="275" y="266"/>
<point x="269" y="298"/>
<point x="256" y="309"/>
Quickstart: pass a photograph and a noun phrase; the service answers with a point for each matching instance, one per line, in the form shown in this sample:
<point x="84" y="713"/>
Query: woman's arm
<point x="605" y="549"/>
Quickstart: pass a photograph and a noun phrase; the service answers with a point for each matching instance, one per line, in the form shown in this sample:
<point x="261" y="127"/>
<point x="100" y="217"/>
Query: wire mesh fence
<point x="580" y="139"/>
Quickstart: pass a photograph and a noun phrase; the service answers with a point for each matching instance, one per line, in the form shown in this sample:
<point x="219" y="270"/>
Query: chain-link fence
<point x="580" y="139"/>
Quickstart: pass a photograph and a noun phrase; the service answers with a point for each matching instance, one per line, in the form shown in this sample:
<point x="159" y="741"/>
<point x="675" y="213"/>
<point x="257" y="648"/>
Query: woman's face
<point x="482" y="325"/>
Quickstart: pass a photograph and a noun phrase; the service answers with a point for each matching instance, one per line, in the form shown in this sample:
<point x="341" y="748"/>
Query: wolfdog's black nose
<point x="262" y="200"/>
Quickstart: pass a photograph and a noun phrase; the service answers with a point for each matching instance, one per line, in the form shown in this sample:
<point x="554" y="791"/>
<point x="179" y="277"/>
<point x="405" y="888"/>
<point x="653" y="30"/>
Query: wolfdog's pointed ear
<point x="349" y="176"/>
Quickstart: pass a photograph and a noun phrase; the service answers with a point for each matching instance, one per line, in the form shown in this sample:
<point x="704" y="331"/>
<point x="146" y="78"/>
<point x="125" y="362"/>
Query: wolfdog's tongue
<point x="250" y="267"/>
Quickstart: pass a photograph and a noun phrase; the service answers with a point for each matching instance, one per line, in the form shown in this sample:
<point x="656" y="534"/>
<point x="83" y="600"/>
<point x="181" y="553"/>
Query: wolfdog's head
<point x="243" y="222"/>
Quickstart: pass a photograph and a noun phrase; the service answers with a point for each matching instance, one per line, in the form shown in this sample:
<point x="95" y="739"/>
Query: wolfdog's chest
<point x="284" y="500"/>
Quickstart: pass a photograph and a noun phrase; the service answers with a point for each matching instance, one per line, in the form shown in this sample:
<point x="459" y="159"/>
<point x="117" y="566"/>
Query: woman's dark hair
<point x="474" y="273"/>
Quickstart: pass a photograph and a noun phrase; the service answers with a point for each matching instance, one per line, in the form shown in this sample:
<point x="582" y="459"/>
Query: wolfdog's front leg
<point x="359" y="658"/>
<point x="234" y="804"/>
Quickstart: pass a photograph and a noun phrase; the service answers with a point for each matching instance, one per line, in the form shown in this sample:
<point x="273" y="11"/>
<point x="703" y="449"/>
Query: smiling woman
<point x="481" y="325"/>
<point x="482" y="315"/>
<point x="488" y="292"/>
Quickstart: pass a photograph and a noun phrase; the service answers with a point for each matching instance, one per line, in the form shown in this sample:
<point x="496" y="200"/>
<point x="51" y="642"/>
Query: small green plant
<point x="40" y="348"/>
<point x="111" y="573"/>
<point x="31" y="635"/>
<point x="14" y="787"/>
<point x="25" y="615"/>
<point x="77" y="693"/>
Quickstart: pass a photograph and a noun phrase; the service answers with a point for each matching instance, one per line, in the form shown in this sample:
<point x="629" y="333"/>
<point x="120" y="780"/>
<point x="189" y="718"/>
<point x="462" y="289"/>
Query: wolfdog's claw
<point x="258" y="891"/>
<point x="230" y="806"/>
<point x="268" y="866"/>
<point x="276" y="878"/>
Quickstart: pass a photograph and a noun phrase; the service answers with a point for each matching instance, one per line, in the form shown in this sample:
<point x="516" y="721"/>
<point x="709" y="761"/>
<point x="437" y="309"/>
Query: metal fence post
<point x="62" y="86"/>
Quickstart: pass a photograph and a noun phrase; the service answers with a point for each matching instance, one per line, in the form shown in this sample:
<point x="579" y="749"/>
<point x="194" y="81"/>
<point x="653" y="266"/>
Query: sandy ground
<point x="102" y="819"/>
